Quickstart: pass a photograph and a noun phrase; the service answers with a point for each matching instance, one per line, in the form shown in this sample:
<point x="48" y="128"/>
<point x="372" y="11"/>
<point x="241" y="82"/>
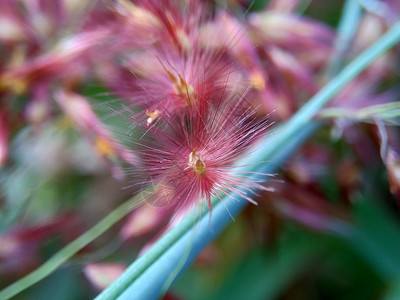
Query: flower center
<point x="197" y="163"/>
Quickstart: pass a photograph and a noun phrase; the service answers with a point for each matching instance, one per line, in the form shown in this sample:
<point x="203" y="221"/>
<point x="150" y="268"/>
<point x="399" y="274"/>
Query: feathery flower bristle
<point x="194" y="114"/>
<point x="190" y="156"/>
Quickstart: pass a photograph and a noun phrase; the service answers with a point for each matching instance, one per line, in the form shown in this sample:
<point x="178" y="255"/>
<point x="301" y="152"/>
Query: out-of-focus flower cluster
<point x="195" y="83"/>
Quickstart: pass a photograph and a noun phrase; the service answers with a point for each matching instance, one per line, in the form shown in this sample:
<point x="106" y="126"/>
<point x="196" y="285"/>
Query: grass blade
<point x="267" y="150"/>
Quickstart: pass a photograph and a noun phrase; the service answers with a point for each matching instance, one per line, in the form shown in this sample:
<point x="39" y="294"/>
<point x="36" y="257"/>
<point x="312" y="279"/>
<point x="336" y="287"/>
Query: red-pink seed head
<point x="190" y="156"/>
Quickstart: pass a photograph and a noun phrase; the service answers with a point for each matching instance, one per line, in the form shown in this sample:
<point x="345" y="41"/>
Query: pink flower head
<point x="189" y="156"/>
<point x="177" y="22"/>
<point x="178" y="82"/>
<point x="160" y="23"/>
<point x="194" y="127"/>
<point x="174" y="71"/>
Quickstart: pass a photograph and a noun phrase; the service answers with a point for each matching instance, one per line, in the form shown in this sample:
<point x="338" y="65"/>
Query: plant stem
<point x="153" y="281"/>
<point x="267" y="150"/>
<point x="311" y="108"/>
<point x="72" y="248"/>
<point x="347" y="28"/>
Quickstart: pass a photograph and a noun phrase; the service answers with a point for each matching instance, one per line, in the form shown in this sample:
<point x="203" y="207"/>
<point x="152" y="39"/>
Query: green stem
<point x="266" y="150"/>
<point x="347" y="28"/>
<point x="139" y="266"/>
<point x="312" y="107"/>
<point x="297" y="122"/>
<point x="72" y="248"/>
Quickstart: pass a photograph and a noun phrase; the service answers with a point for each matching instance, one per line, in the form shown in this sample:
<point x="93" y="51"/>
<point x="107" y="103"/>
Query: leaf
<point x="264" y="275"/>
<point x="157" y="261"/>
<point x="388" y="112"/>
<point x="376" y="238"/>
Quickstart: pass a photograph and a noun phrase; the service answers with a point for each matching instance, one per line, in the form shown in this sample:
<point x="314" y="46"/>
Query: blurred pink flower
<point x="4" y="132"/>
<point x="20" y="247"/>
<point x="102" y="275"/>
<point x="79" y="110"/>
<point x="144" y="220"/>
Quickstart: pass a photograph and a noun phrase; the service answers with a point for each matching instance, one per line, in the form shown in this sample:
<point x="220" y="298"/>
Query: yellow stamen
<point x="257" y="80"/>
<point x="181" y="87"/>
<point x="197" y="163"/>
<point x="152" y="116"/>
<point x="17" y="86"/>
<point x="104" y="147"/>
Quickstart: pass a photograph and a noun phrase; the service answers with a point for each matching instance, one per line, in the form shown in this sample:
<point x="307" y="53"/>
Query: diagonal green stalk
<point x="346" y="30"/>
<point x="71" y="249"/>
<point x="267" y="150"/>
<point x="297" y="122"/>
<point x="308" y="111"/>
<point x="134" y="283"/>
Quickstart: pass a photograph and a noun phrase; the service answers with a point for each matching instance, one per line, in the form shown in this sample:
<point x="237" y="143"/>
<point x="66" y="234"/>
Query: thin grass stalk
<point x="346" y="31"/>
<point x="289" y="131"/>
<point x="159" y="277"/>
<point x="267" y="150"/>
<point x="71" y="249"/>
